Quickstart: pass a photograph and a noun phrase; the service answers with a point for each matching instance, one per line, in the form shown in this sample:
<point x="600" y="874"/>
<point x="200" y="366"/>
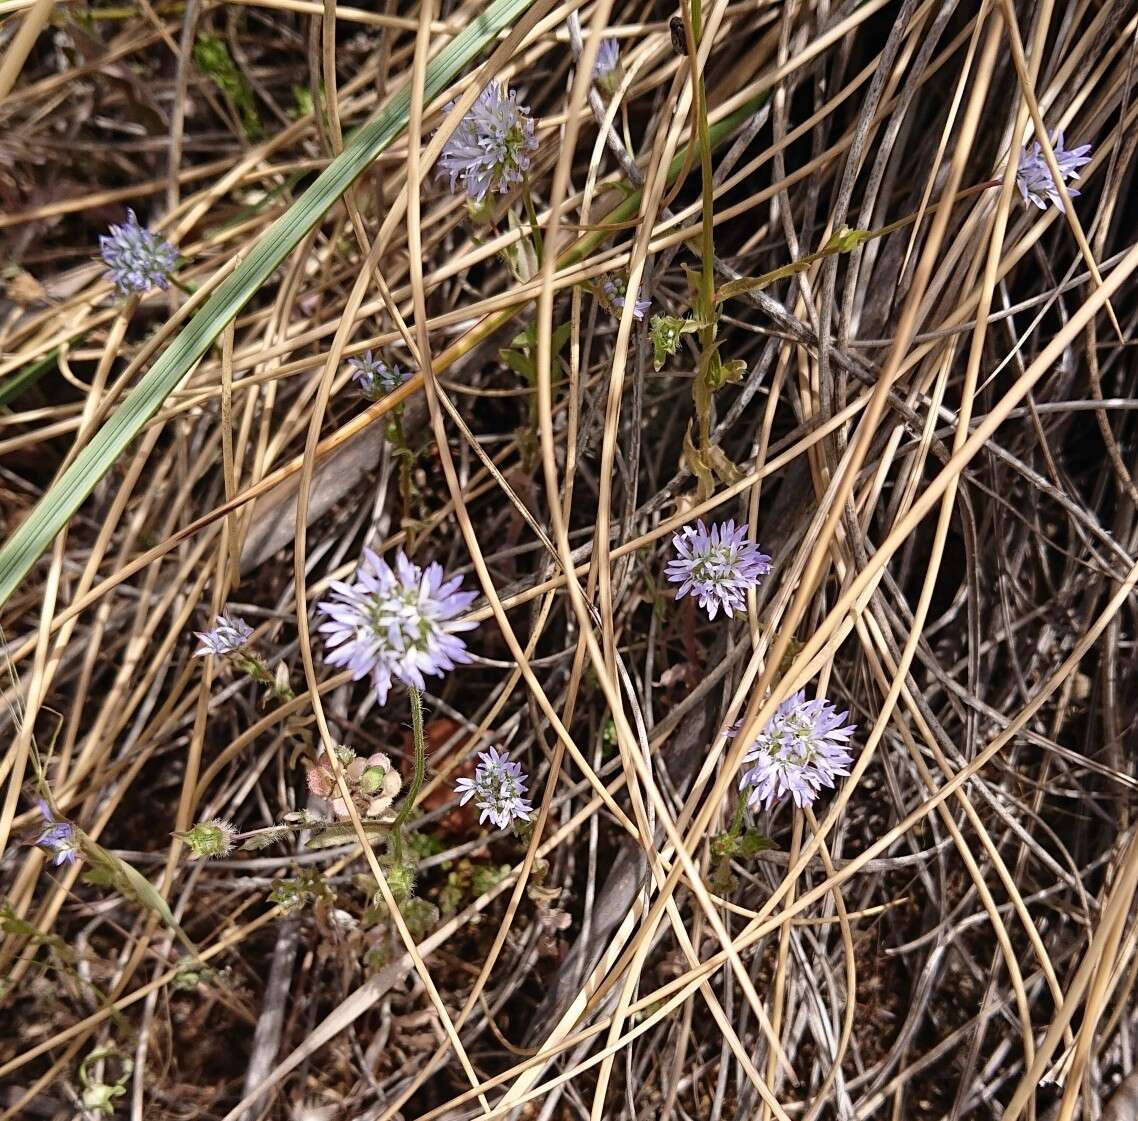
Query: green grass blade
<point x="51" y="514"/>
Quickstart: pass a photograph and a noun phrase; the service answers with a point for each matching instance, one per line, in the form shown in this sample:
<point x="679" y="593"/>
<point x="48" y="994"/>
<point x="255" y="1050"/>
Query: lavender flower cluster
<point x="1034" y="179"/>
<point x="228" y="635"/>
<point x="491" y="148"/>
<point x="58" y="837"/>
<point x="717" y="566"/>
<point x="374" y="377"/>
<point x="136" y="259"/>
<point x="497" y="788"/>
<point x="396" y="624"/>
<point x="615" y="292"/>
<point x="800" y="750"/>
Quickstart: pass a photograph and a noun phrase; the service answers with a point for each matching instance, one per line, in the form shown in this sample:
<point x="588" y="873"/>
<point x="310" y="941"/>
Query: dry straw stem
<point x="933" y="437"/>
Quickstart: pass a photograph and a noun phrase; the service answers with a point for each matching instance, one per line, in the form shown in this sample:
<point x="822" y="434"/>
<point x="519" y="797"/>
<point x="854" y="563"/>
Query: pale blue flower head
<point x="497" y="788"/>
<point x="396" y="623"/>
<point x="137" y="260"/>
<point x="375" y="377"/>
<point x="802" y="749"/>
<point x="1033" y="176"/>
<point x="227" y="636"/>
<point x="717" y="566"/>
<point x="608" y="59"/>
<point x="491" y="147"/>
<point x="615" y="290"/>
<point x="58" y="837"/>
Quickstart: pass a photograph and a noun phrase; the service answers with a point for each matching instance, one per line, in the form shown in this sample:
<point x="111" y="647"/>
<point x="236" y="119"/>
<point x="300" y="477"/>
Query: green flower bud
<point x="210" y="839"/>
<point x="401" y="880"/>
<point x="665" y="332"/>
<point x="372" y="780"/>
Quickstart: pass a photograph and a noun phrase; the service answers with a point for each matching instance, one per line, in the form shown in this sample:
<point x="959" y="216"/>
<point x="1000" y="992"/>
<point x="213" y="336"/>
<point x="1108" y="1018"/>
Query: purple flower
<point x="396" y="624"/>
<point x="1034" y="179"/>
<point x="801" y="749"/>
<point x="375" y="377"/>
<point x="608" y="59"/>
<point x="137" y="260"/>
<point x="229" y="635"/>
<point x="58" y="836"/>
<point x="497" y="789"/>
<point x="718" y="567"/>
<point x="490" y="149"/>
<point x="615" y="290"/>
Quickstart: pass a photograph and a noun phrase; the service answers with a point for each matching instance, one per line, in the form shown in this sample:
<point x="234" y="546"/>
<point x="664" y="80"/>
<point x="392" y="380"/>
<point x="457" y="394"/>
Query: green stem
<point x="418" y="776"/>
<point x="531" y="214"/>
<point x="398" y="440"/>
<point x="737" y="821"/>
<point x="706" y="310"/>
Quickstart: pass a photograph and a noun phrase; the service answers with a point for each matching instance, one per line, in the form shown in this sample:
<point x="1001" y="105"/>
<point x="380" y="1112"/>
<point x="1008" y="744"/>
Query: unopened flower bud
<point x="210" y="839"/>
<point x="372" y="780"/>
<point x="401" y="880"/>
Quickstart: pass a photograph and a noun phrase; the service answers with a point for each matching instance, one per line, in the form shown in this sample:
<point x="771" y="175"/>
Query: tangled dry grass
<point x="933" y="435"/>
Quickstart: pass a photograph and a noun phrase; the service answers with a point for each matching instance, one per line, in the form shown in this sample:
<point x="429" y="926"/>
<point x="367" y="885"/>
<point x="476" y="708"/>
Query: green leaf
<point x="560" y="337"/>
<point x="520" y="363"/>
<point x="24" y="547"/>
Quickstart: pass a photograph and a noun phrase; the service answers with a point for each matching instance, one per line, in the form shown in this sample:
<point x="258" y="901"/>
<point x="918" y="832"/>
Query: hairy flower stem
<point x="397" y="438"/>
<point x="531" y="214"/>
<point x="417" y="778"/>
<point x="736" y="826"/>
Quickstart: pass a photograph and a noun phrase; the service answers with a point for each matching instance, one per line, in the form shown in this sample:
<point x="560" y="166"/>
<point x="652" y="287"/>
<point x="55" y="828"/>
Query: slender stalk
<point x="531" y="214"/>
<point x="418" y="776"/>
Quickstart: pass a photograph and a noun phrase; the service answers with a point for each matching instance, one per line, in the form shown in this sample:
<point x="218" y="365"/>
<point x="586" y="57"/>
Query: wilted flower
<point x="58" y="837"/>
<point x="802" y="748"/>
<point x="497" y="789"/>
<point x="396" y="624"/>
<point x="137" y="260"/>
<point x="615" y="291"/>
<point x="1034" y="179"/>
<point x="717" y="566"/>
<point x="373" y="782"/>
<point x="374" y="376"/>
<point x="210" y="839"/>
<point x="490" y="149"/>
<point x="229" y="635"/>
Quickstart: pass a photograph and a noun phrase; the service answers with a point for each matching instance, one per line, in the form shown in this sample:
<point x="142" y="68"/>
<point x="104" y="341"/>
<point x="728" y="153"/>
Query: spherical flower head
<point x="209" y="840"/>
<point x="137" y="260"/>
<point x="375" y="377"/>
<point x="228" y="636"/>
<point x="491" y="147"/>
<point x="497" y="788"/>
<point x="802" y="749"/>
<point x="615" y="292"/>
<point x="1033" y="176"/>
<point x="399" y="623"/>
<point x="57" y="836"/>
<point x="717" y="566"/>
